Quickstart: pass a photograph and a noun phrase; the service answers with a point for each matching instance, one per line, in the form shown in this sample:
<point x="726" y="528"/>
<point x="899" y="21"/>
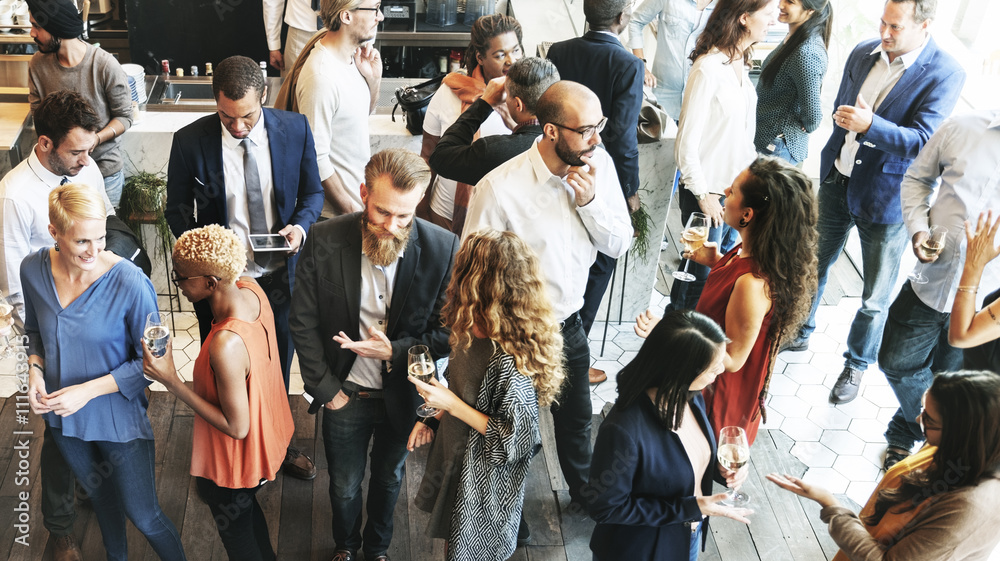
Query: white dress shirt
<point x="376" y="298"/>
<point x="961" y="162"/>
<point x="678" y="25"/>
<point x="877" y="85"/>
<point x="522" y="196"/>
<point x="24" y="197"/>
<point x="298" y="14"/>
<point x="236" y="189"/>
<point x="717" y="126"/>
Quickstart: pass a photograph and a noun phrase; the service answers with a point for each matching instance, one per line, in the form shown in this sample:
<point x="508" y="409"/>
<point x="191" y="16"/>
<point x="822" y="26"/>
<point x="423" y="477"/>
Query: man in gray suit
<point x="369" y="286"/>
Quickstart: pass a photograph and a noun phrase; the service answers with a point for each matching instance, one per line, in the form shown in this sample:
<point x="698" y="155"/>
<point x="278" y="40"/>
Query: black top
<point x="458" y="158"/>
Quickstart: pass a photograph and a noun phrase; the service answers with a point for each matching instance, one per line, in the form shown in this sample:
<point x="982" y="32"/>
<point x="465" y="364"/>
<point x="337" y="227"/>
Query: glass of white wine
<point x="421" y="366"/>
<point x="693" y="237"/>
<point x="930" y="248"/>
<point x="734" y="453"/>
<point x="6" y="328"/>
<point x="156" y="333"/>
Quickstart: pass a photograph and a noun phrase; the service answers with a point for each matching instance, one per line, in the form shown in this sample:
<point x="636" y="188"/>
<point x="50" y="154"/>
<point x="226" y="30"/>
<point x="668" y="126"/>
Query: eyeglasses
<point x="377" y="8"/>
<point x="177" y="279"/>
<point x="587" y="132"/>
<point x="922" y="418"/>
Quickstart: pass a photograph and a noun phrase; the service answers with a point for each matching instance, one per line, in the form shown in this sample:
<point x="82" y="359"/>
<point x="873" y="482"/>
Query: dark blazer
<point x="923" y="97"/>
<point x="600" y="62"/>
<point x="458" y="158"/>
<point x="196" y="183"/>
<point x="328" y="300"/>
<point x="641" y="489"/>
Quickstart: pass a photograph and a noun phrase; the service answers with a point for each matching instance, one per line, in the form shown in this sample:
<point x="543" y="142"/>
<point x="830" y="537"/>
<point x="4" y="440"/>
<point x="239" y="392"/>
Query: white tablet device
<point x="269" y="242"/>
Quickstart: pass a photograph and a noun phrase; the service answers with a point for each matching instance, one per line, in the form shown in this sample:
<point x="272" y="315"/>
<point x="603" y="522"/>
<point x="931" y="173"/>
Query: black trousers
<point x="597" y="285"/>
<point x="239" y="519"/>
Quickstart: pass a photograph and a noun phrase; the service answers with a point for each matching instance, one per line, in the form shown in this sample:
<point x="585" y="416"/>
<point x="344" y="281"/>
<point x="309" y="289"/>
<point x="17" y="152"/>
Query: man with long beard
<point x="370" y="286"/>
<point x="563" y="198"/>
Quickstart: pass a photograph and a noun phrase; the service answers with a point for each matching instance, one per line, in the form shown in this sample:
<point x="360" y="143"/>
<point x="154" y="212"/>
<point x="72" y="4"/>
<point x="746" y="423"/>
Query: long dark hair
<point x="483" y="30"/>
<point x="782" y="236"/>
<point x="724" y="29"/>
<point x="820" y="23"/>
<point x="681" y="346"/>
<point x="969" y="404"/>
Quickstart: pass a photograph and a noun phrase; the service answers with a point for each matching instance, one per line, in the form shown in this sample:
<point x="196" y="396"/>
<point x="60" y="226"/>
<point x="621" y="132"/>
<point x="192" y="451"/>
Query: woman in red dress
<point x="760" y="291"/>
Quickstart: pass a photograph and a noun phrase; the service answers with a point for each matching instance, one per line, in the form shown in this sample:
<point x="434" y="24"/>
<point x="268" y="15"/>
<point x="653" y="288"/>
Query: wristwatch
<point x="701" y="197"/>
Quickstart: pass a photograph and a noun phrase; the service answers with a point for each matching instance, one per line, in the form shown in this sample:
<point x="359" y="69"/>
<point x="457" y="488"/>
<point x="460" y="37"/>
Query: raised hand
<point x="583" y="181"/>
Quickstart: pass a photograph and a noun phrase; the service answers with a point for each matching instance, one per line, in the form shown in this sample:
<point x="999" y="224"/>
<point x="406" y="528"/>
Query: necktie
<point x="255" y="198"/>
<point x="64" y="181"/>
<point x="319" y="20"/>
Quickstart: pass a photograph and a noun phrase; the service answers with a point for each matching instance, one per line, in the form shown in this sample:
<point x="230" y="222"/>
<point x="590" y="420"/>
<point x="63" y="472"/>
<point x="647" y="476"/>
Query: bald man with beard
<point x="563" y="198"/>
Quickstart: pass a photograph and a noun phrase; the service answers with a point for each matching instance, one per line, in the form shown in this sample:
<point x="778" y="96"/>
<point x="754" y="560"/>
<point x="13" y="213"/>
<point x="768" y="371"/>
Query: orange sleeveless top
<point x="241" y="464"/>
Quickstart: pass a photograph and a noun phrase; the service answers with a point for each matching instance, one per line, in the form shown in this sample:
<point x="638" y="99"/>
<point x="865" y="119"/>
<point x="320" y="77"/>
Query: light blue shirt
<point x="678" y="25"/>
<point x="98" y="333"/>
<point x="960" y="164"/>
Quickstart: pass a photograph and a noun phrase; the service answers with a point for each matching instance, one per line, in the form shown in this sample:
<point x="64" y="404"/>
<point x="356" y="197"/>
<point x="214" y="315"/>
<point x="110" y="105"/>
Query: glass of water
<point x="156" y="333"/>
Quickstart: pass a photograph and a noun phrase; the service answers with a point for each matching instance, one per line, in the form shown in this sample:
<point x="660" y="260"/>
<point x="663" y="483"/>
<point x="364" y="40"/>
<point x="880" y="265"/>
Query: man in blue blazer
<point x="895" y="92"/>
<point x="252" y="170"/>
<point x="599" y="61"/>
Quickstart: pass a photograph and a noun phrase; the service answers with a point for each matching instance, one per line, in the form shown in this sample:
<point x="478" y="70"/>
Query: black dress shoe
<point x="523" y="534"/>
<point x="846" y="388"/>
<point x="342" y="555"/>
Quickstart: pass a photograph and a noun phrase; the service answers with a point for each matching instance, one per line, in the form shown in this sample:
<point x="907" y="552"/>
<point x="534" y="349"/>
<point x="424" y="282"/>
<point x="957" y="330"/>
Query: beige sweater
<point x="963" y="525"/>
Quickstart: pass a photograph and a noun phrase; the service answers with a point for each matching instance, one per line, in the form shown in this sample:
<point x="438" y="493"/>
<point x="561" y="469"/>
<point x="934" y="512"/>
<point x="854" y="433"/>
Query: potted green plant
<point x="143" y="198"/>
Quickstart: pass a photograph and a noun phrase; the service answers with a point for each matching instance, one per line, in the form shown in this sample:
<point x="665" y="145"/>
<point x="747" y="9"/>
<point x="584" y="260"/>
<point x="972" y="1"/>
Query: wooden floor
<point x="298" y="512"/>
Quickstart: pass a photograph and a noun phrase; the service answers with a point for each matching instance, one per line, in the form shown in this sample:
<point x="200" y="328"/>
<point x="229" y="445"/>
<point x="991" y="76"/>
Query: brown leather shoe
<point x="65" y="549"/>
<point x="596" y="376"/>
<point x="299" y="466"/>
<point x="342" y="555"/>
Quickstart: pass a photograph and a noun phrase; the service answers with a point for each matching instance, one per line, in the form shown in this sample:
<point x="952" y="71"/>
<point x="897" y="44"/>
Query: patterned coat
<point x="491" y="491"/>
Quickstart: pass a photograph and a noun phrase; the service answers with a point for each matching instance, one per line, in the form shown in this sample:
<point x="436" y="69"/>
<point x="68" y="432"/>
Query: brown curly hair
<point x="211" y="251"/>
<point x="724" y="30"/>
<point x="783" y="237"/>
<point x="497" y="286"/>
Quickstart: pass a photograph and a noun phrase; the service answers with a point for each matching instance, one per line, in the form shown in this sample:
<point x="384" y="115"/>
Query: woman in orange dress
<point x="761" y="290"/>
<point x="243" y="424"/>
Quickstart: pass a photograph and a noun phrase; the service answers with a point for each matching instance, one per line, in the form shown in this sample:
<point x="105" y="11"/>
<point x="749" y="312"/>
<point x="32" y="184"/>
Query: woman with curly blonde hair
<point x="506" y="361"/>
<point x="243" y="424"/>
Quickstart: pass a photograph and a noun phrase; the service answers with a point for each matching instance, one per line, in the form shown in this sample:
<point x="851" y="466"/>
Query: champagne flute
<point x="156" y="333"/>
<point x="6" y="328"/>
<point x="930" y="248"/>
<point x="734" y="453"/>
<point x="693" y="237"/>
<point x="421" y="367"/>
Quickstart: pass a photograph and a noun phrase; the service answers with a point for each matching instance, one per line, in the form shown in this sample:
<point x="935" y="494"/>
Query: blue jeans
<point x="882" y="246"/>
<point x="239" y="519"/>
<point x="571" y="417"/>
<point x="684" y="295"/>
<point x="780" y="150"/>
<point x="914" y="346"/>
<point x="119" y="478"/>
<point x="113" y="185"/>
<point x="346" y="435"/>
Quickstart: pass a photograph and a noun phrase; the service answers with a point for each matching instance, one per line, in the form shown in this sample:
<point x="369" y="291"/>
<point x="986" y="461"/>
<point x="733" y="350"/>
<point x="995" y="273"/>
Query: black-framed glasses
<point x="588" y="131"/>
<point x="377" y="8"/>
<point x="177" y="279"/>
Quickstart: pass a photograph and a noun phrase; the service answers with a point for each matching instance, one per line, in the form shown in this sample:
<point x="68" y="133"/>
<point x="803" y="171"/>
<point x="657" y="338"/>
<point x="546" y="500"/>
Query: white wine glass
<point x="734" y="453"/>
<point x="930" y="248"/>
<point x="156" y="333"/>
<point x="693" y="237"/>
<point x="6" y="328"/>
<point x="421" y="366"/>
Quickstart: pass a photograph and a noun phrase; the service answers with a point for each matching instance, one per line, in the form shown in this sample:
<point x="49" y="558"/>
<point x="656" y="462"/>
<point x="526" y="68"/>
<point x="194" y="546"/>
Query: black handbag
<point x="414" y="100"/>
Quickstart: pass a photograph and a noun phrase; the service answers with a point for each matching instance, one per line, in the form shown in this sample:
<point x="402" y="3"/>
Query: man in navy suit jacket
<point x="599" y="61"/>
<point x="895" y="92"/>
<point x="207" y="184"/>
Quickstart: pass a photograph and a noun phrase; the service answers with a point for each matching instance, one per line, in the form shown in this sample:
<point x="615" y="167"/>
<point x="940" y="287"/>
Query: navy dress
<point x="641" y="490"/>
